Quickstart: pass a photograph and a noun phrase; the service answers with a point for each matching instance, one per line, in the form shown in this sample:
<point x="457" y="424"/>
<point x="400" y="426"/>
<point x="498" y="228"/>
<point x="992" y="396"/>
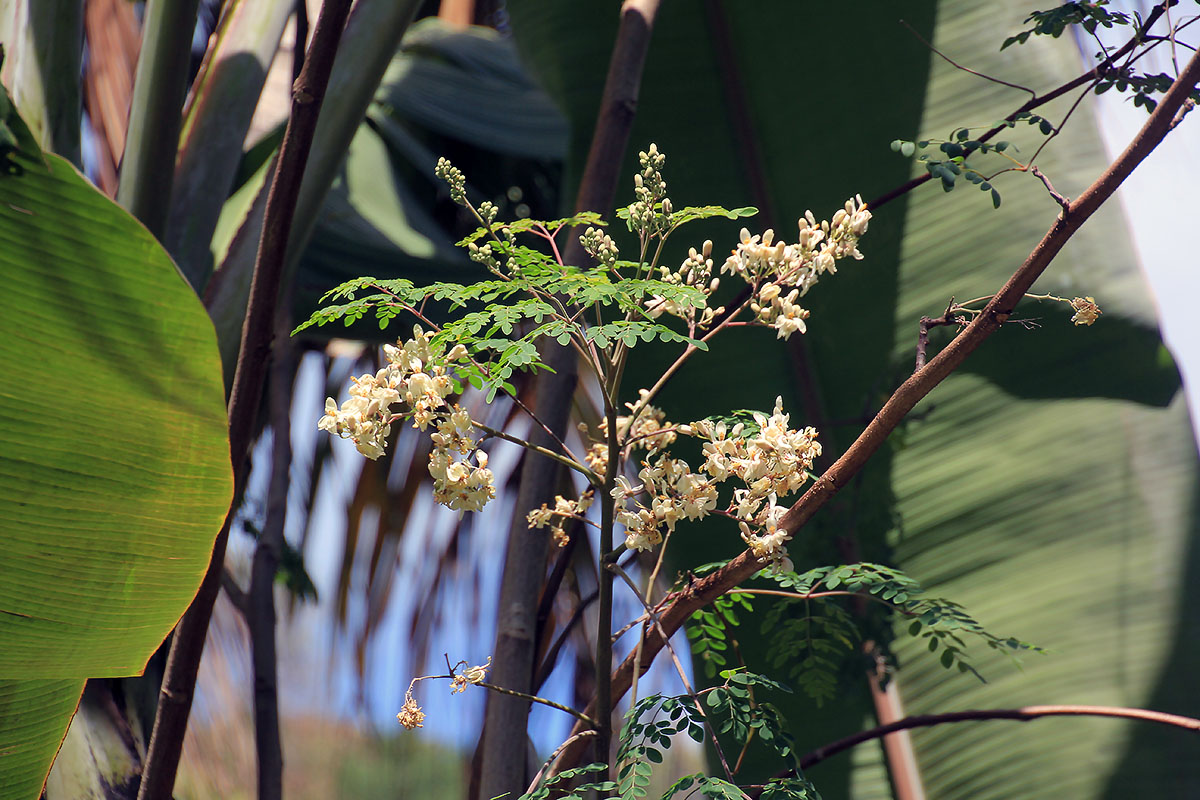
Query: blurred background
<point x="1049" y="487"/>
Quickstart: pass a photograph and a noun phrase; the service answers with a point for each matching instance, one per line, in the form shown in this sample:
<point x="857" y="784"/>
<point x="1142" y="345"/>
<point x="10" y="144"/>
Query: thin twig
<point x="956" y="65"/>
<point x="927" y="323"/>
<point x="533" y="698"/>
<point x="552" y="654"/>
<point x="1064" y="202"/>
<point x="687" y="685"/>
<point x="1096" y="72"/>
<point x="1020" y="714"/>
<point x="538" y="778"/>
<point x="1184" y="110"/>
<point x="592" y="477"/>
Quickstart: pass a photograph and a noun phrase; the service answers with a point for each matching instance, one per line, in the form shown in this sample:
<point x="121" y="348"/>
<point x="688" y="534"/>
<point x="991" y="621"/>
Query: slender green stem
<point x="533" y="698"/>
<point x="687" y="685"/>
<point x="679" y="362"/>
<point x="592" y="477"/>
<point x="645" y="598"/>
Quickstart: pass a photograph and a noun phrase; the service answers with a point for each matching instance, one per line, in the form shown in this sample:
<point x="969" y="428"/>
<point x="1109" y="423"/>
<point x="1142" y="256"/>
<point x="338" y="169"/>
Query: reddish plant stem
<point x="703" y="591"/>
<point x="1020" y="714"/>
<point x="183" y="662"/>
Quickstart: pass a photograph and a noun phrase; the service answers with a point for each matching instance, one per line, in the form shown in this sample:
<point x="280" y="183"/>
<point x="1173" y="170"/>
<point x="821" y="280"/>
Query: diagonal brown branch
<point x="921" y="383"/>
<point x="183" y="662"/>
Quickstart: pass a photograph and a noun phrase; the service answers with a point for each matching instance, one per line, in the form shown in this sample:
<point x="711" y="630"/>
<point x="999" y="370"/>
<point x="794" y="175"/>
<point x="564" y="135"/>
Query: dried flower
<point x="411" y="716"/>
<point x="1086" y="310"/>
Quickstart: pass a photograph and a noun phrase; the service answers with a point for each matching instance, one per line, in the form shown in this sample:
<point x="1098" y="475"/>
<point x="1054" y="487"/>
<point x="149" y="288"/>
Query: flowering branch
<point x="921" y="383"/>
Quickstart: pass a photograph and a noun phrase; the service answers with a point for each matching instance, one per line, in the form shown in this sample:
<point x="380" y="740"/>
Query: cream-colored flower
<point x="468" y="675"/>
<point x="1086" y="310"/>
<point x="457" y="485"/>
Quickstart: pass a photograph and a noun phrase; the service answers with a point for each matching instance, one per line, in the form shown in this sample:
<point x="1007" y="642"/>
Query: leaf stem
<point x="566" y="461"/>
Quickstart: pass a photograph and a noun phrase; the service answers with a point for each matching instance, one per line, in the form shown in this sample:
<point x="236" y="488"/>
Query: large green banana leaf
<point x="1048" y="487"/>
<point x="114" y="454"/>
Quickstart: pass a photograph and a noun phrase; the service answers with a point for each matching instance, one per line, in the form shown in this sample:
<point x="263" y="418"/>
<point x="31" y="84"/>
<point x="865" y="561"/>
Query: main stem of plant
<point x="604" y="698"/>
<point x="503" y="758"/>
<point x="183" y="662"/>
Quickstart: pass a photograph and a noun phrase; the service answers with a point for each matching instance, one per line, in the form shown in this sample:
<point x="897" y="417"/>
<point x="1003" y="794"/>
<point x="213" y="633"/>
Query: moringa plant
<point x="633" y="481"/>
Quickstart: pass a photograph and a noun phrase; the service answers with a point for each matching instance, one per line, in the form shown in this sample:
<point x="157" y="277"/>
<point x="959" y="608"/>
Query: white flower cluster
<point x="785" y="272"/>
<point x="1086" y="310"/>
<point x="771" y="463"/>
<point x="413" y="377"/>
<point x="650" y="432"/>
<point x="676" y="493"/>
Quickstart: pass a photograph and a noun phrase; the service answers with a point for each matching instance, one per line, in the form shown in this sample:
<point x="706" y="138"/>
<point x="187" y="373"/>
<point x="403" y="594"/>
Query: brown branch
<point x="927" y="323"/>
<point x="1020" y="714"/>
<point x="261" y="609"/>
<point x="183" y="662"/>
<point x="921" y="383"/>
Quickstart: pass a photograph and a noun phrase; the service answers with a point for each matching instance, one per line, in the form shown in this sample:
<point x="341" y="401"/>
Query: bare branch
<point x="956" y="65"/>
<point x="1020" y="714"/>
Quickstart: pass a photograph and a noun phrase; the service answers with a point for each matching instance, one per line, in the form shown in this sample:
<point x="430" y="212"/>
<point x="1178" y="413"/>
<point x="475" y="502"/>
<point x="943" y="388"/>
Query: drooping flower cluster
<point x="414" y="378"/>
<point x="781" y="273"/>
<point x="556" y="517"/>
<point x="675" y="493"/>
<point x="464" y="676"/>
<point x="411" y="716"/>
<point x="772" y="462"/>
<point x="769" y="458"/>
